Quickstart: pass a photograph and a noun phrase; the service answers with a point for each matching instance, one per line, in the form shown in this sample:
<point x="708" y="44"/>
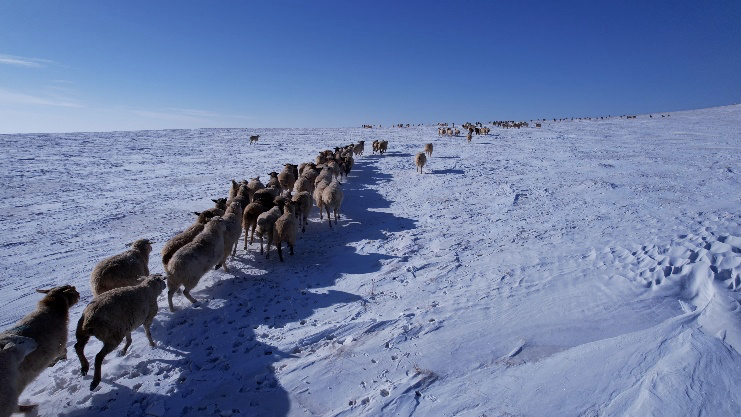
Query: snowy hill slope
<point x="589" y="267"/>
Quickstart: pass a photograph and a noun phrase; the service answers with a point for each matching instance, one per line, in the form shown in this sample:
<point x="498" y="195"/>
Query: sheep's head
<point x="64" y="297"/>
<point x="17" y="346"/>
<point x="156" y="281"/>
<point x="143" y="246"/>
<point x="220" y="203"/>
<point x="273" y="174"/>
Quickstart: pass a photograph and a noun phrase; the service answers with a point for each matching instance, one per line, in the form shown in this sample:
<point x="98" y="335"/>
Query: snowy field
<point x="586" y="268"/>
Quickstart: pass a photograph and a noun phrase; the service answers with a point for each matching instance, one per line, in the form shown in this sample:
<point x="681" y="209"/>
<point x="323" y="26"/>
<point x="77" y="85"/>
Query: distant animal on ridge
<point x="254" y="138"/>
<point x="428" y="149"/>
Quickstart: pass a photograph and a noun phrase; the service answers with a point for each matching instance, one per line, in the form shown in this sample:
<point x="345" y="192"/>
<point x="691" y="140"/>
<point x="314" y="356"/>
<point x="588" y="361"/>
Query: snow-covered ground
<point x="586" y="268"/>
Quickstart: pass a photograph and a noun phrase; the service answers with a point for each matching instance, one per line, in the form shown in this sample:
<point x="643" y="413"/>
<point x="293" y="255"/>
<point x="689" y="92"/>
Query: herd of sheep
<point x="125" y="293"/>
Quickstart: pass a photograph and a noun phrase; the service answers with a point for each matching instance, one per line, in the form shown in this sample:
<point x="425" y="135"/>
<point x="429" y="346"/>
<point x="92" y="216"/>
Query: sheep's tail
<point x="80" y="324"/>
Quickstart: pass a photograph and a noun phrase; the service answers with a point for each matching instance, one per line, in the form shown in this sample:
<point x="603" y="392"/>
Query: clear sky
<point x="91" y="65"/>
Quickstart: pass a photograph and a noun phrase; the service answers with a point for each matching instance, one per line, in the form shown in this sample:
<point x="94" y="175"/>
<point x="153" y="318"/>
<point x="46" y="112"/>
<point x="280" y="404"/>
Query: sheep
<point x="420" y="160"/>
<point x="249" y="219"/>
<point x="303" y="208"/>
<point x="428" y="150"/>
<point x="123" y="269"/>
<point x="253" y="186"/>
<point x="375" y="146"/>
<point x="113" y="316"/>
<point x="182" y="238"/>
<point x="192" y="261"/>
<point x="233" y="189"/>
<point x="264" y="197"/>
<point x="325" y="175"/>
<point x="284" y="229"/>
<point x="383" y="147"/>
<point x="217" y="210"/>
<point x="254" y="138"/>
<point x="273" y="181"/>
<point x="233" y="221"/>
<point x="13" y="349"/>
<point x="47" y="326"/>
<point x="318" y="190"/>
<point x="287" y="177"/>
<point x="359" y="148"/>
<point x="303" y="184"/>
<point x="332" y="197"/>
<point x="243" y="197"/>
<point x="265" y="223"/>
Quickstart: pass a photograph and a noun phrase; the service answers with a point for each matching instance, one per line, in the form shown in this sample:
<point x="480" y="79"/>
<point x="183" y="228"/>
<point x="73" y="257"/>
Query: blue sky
<point x="130" y="65"/>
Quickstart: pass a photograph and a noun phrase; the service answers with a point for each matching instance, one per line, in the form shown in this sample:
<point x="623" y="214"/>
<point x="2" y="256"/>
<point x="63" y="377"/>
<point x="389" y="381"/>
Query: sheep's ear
<point x="43" y="291"/>
<point x="215" y="201"/>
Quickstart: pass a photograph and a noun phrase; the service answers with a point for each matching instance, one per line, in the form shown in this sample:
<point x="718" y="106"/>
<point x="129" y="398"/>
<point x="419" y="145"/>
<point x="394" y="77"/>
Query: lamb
<point x="123" y="269"/>
<point x="233" y="221"/>
<point x="13" y="349"/>
<point x="254" y="138"/>
<point x="47" y="326"/>
<point x="303" y="208"/>
<point x="265" y="223"/>
<point x="192" y="261"/>
<point x="284" y="229"/>
<point x="332" y="197"/>
<point x="420" y="160"/>
<point x="428" y="150"/>
<point x="113" y="316"/>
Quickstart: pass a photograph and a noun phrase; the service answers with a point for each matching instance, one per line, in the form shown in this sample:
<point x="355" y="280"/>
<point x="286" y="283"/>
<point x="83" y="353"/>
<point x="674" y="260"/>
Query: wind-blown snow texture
<point x="584" y="268"/>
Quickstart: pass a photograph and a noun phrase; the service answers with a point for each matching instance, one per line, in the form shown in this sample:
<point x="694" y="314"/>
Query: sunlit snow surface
<point x="585" y="268"/>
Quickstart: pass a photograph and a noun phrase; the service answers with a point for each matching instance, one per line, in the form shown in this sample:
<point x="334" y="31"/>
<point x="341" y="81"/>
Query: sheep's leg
<point x="82" y="339"/>
<point x="186" y="293"/>
<point x="270" y="240"/>
<point x="234" y="246"/>
<point x="107" y="348"/>
<point x="328" y="217"/>
<point x="280" y="250"/>
<point x="252" y="239"/>
<point x="26" y="408"/>
<point x="261" y="250"/>
<point x="126" y="346"/>
<point x="246" y="236"/>
<point x="170" y="291"/>
<point x="290" y="245"/>
<point x="148" y="331"/>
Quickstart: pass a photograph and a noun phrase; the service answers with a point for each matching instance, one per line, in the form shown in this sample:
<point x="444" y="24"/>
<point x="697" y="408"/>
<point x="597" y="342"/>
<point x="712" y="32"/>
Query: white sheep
<point x="304" y="203"/>
<point x="181" y="239"/>
<point x="47" y="326"/>
<point x="383" y="147"/>
<point x="284" y="229"/>
<point x="113" y="316"/>
<point x="233" y="222"/>
<point x="273" y="181"/>
<point x="428" y="150"/>
<point x="287" y="177"/>
<point x="249" y="219"/>
<point x="318" y="190"/>
<point x="420" y="160"/>
<point x="192" y="261"/>
<point x="253" y="186"/>
<point x="304" y="183"/>
<point x="123" y="269"/>
<point x="13" y="349"/>
<point x="265" y="223"/>
<point x="332" y="197"/>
